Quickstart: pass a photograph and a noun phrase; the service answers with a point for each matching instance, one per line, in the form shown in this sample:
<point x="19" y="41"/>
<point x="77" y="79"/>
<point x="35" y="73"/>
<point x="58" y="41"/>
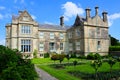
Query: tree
<point x="68" y="57"/>
<point x="35" y="53"/>
<point x="75" y="63"/>
<point x="61" y="57"/>
<point x="96" y="64"/>
<point x="111" y="62"/>
<point x="114" y="41"/>
<point x="13" y="67"/>
<point x="54" y="57"/>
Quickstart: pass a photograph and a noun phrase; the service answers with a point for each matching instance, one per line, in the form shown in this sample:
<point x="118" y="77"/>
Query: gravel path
<point x="44" y="75"/>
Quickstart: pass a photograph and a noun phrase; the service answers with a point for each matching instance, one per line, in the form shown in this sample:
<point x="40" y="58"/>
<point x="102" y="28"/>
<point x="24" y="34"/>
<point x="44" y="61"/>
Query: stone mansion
<point x="86" y="35"/>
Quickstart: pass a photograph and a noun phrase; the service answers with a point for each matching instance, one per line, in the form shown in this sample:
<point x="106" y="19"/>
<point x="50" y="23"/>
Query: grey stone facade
<point x="87" y="35"/>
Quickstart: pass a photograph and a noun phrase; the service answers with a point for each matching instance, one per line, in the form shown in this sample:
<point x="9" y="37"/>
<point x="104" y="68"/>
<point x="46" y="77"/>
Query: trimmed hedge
<point x="114" y="48"/>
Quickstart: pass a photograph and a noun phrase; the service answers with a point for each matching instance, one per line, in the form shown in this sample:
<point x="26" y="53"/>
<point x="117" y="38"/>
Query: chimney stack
<point x="20" y="12"/>
<point x="62" y="21"/>
<point x="96" y="10"/>
<point x="87" y="13"/>
<point x="104" y="14"/>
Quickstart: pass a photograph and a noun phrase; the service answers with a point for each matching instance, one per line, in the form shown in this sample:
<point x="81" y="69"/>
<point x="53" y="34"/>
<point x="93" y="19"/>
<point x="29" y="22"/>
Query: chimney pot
<point x="88" y="13"/>
<point x="62" y="21"/>
<point x="104" y="14"/>
<point x="96" y="10"/>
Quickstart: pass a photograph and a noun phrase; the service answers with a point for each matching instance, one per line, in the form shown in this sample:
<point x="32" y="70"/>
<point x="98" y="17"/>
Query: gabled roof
<point x="52" y="27"/>
<point x="79" y="21"/>
<point x="21" y="15"/>
<point x="25" y="13"/>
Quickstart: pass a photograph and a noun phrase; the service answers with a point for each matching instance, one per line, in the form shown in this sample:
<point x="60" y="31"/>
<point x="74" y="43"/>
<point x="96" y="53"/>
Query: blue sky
<point x="49" y="11"/>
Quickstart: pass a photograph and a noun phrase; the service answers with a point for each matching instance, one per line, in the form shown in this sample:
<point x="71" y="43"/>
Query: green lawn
<point x="49" y="61"/>
<point x="62" y="74"/>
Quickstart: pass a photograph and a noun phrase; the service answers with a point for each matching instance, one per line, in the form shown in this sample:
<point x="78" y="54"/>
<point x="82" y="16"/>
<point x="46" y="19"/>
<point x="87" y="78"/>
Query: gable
<point x="97" y="20"/>
<point x="25" y="16"/>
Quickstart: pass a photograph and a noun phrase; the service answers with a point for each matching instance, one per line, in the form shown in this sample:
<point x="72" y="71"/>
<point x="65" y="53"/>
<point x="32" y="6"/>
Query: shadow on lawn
<point x="114" y="75"/>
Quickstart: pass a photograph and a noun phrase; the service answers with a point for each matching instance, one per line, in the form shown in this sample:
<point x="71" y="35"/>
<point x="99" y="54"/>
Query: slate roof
<point x="53" y="27"/>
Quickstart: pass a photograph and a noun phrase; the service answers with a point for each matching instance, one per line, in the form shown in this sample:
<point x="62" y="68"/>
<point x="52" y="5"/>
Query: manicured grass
<point x="49" y="61"/>
<point x="62" y="73"/>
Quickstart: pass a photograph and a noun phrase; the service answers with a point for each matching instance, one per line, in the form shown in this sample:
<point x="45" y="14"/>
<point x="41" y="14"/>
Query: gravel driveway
<point x="44" y="75"/>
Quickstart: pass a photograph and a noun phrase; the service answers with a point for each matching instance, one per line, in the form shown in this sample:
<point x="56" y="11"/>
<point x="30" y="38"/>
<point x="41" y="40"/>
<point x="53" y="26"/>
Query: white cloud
<point x="71" y="10"/>
<point x="2" y="7"/>
<point x="34" y="17"/>
<point x="46" y="22"/>
<point x="2" y="42"/>
<point x="1" y="16"/>
<point x="21" y="1"/>
<point x="5" y="16"/>
<point x="113" y="17"/>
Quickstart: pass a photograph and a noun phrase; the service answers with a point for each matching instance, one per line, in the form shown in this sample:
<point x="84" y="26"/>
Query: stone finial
<point x="62" y="21"/>
<point x="104" y="14"/>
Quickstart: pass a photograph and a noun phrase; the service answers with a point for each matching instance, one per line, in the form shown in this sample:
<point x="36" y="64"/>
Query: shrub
<point x="46" y="55"/>
<point x="90" y="56"/>
<point x="114" y="48"/>
<point x="59" y="57"/>
<point x="54" y="57"/>
<point x="75" y="63"/>
<point x="35" y="53"/>
<point x="97" y="56"/>
<point x="111" y="62"/>
<point x="68" y="57"/>
<point x="73" y="55"/>
<point x="13" y="67"/>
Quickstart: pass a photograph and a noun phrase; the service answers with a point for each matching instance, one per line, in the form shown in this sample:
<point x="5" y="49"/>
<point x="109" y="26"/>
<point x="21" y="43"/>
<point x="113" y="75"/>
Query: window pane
<point x="61" y="36"/>
<point x="52" y="46"/>
<point x="25" y="45"/>
<point x="41" y="35"/>
<point x="61" y="46"/>
<point x="25" y="29"/>
<point x="51" y="35"/>
<point x="41" y="48"/>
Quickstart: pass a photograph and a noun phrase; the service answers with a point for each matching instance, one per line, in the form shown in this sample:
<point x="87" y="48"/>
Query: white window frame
<point x="77" y="32"/>
<point x="52" y="35"/>
<point x="41" y="46"/>
<point x="61" y="46"/>
<point x="61" y="36"/>
<point x="25" y="29"/>
<point x="26" y="45"/>
<point x="41" y="35"/>
<point x="70" y="35"/>
<point x="77" y="45"/>
<point x="70" y="47"/>
<point x="52" y="48"/>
